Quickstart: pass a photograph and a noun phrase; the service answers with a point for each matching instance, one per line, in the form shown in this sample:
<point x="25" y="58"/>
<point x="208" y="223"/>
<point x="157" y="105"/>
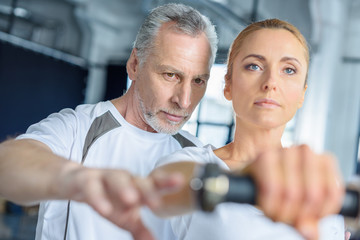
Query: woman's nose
<point x="270" y="82"/>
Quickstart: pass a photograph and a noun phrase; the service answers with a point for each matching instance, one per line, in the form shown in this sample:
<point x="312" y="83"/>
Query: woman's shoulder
<point x="195" y="154"/>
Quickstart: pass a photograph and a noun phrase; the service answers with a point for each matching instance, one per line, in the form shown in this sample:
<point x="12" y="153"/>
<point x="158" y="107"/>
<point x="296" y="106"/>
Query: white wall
<point x="112" y="29"/>
<point x="329" y="120"/>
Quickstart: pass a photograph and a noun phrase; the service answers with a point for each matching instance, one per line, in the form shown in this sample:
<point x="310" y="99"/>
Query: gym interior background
<point x="61" y="53"/>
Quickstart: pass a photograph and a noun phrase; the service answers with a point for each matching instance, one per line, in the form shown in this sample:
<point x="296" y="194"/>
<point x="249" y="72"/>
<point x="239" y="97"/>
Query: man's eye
<point x="199" y="81"/>
<point x="170" y="75"/>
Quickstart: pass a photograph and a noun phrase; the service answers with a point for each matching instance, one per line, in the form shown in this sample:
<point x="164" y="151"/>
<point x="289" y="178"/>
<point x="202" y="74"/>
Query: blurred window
<point x="358" y="154"/>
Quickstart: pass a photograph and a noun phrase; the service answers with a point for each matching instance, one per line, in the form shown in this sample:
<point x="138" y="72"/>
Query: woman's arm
<point x="295" y="186"/>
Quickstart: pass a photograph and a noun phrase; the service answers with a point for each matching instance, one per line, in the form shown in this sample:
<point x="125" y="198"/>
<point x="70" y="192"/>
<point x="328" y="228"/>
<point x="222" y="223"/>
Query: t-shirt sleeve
<point x="193" y="154"/>
<point x="332" y="227"/>
<point x="57" y="131"/>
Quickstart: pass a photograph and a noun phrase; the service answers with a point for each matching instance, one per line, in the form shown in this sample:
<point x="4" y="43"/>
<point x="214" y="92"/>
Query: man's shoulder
<point x="96" y="109"/>
<point x="187" y="140"/>
<point x="91" y="112"/>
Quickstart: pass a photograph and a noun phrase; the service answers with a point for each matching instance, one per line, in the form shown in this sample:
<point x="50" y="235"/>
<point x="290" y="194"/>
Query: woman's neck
<point x="248" y="144"/>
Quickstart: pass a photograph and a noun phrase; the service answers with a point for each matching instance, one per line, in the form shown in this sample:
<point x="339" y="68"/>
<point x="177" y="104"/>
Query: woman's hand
<point x="298" y="187"/>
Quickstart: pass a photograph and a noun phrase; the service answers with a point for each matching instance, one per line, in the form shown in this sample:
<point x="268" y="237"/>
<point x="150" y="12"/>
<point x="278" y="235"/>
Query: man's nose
<point x="182" y="95"/>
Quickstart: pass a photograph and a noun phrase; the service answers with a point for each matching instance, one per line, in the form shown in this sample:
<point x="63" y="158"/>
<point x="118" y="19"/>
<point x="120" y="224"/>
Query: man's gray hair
<point x="187" y="20"/>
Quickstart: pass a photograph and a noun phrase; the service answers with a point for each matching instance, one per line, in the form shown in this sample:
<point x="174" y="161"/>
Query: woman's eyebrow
<point x="285" y="59"/>
<point x="260" y="57"/>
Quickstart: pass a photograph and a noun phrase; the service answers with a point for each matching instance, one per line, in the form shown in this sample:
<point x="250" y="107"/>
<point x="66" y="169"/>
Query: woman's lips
<point x="267" y="103"/>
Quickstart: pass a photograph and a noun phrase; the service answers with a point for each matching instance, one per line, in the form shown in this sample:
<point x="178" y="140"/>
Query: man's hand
<point x="298" y="187"/>
<point x="117" y="195"/>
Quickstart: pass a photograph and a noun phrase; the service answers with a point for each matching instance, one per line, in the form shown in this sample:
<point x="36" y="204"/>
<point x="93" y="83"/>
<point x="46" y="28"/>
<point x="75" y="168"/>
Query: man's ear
<point x="301" y="102"/>
<point x="132" y="65"/>
<point x="227" y="88"/>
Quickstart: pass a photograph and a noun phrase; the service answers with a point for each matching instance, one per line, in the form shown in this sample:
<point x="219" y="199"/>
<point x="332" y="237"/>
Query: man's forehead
<point x="181" y="53"/>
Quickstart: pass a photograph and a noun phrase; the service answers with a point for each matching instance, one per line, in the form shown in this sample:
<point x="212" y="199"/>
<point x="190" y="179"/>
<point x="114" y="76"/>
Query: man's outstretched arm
<point x="30" y="173"/>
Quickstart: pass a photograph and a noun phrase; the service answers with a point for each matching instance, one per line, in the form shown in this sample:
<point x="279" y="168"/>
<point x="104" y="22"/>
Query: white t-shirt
<point x="232" y="221"/>
<point x="98" y="136"/>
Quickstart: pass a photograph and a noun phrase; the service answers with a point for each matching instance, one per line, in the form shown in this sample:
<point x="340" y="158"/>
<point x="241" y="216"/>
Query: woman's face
<point x="268" y="77"/>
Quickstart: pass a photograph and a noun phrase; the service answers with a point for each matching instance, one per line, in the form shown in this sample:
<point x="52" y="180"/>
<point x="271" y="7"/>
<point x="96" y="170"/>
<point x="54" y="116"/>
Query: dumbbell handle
<point x="215" y="186"/>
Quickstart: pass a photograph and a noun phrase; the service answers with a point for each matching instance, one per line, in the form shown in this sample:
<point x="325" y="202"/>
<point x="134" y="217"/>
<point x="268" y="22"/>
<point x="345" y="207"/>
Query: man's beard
<point x="154" y="122"/>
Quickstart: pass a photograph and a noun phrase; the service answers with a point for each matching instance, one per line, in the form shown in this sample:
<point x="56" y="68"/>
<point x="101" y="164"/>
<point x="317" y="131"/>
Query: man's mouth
<point x="175" y="117"/>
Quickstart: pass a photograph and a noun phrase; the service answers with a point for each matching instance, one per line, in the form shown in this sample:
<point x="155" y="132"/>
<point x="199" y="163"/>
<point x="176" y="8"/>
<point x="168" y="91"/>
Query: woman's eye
<point x="253" y="67"/>
<point x="290" y="71"/>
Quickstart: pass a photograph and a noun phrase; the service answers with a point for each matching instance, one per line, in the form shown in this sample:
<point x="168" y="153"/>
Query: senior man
<point x="80" y="164"/>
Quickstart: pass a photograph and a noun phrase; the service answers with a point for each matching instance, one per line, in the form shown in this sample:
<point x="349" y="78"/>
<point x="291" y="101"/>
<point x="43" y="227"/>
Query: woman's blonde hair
<point x="266" y="24"/>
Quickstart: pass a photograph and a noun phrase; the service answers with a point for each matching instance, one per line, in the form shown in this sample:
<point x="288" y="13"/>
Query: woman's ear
<point x="301" y="102"/>
<point x="132" y="65"/>
<point x="227" y="88"/>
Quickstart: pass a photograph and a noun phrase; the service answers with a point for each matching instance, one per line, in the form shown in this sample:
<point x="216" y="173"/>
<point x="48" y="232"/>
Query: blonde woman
<point x="266" y="82"/>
